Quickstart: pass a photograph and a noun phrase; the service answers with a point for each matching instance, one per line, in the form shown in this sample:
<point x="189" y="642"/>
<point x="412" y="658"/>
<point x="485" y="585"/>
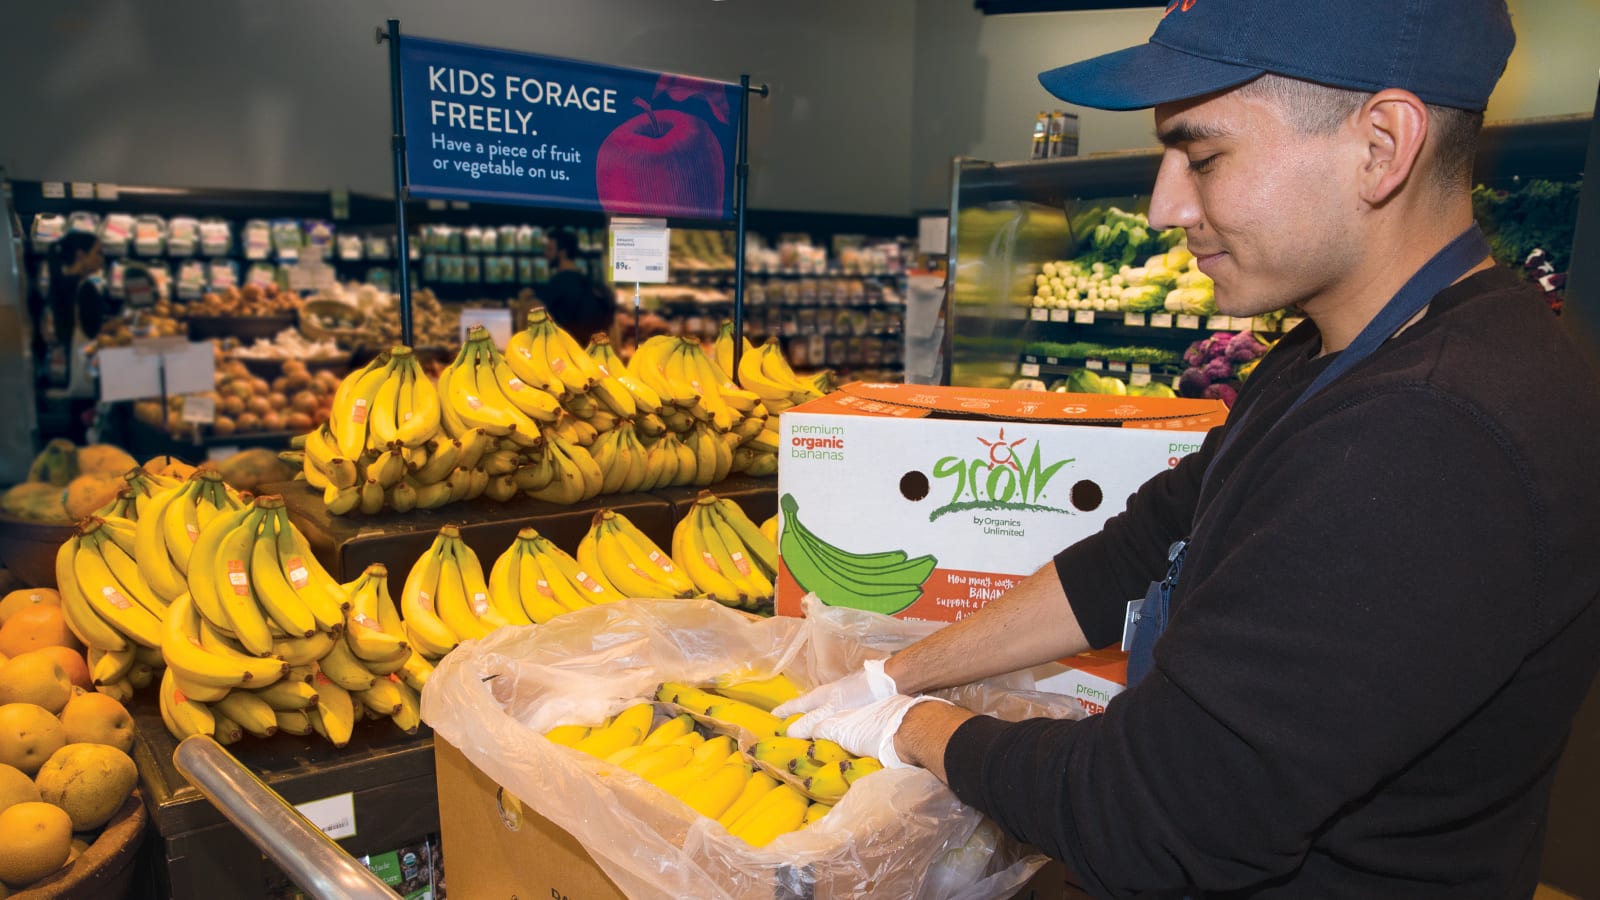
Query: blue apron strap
<point x="1454" y="260"/>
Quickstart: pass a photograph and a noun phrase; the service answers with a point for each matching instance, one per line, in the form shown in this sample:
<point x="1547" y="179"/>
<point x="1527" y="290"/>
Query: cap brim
<point x="1141" y="77"/>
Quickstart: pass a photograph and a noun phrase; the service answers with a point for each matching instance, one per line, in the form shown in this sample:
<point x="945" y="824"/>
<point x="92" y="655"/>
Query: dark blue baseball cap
<point x="1447" y="52"/>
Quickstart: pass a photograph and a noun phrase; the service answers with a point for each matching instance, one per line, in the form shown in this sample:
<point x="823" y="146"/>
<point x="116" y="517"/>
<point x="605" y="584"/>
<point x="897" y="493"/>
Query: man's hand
<point x="849" y="692"/>
<point x="868" y="730"/>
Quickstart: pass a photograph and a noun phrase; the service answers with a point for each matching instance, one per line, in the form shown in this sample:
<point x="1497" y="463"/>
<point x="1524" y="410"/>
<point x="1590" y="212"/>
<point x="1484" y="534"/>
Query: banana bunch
<point x="764" y="371"/>
<point x="884" y="582"/>
<point x="544" y="580"/>
<point x="135" y="496"/>
<point x="821" y="769"/>
<point x="645" y="400"/>
<point x="545" y="354"/>
<point x="482" y="390"/>
<point x="446" y="599"/>
<point x="382" y="445"/>
<point x="170" y="524"/>
<point x="725" y="554"/>
<point x="119" y="673"/>
<point x="623" y="558"/>
<point x="105" y="600"/>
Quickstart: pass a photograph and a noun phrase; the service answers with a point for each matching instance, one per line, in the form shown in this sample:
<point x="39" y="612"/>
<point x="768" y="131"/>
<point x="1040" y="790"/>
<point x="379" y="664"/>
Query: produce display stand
<point x="194" y="852"/>
<point x="758" y="497"/>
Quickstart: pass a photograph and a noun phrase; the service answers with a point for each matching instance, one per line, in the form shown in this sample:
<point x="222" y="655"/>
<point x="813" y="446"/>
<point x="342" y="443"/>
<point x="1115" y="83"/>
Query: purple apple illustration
<point x="661" y="161"/>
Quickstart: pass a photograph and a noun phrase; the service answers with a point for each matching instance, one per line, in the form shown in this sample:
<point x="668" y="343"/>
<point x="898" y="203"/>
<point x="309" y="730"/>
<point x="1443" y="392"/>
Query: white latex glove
<point x="849" y="692"/>
<point x="869" y="730"/>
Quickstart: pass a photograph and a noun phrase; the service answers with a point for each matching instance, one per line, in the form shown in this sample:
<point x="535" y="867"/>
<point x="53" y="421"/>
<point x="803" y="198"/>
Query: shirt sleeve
<point x="1326" y="644"/>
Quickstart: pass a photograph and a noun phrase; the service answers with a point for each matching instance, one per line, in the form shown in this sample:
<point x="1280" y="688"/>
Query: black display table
<point x="194" y="852"/>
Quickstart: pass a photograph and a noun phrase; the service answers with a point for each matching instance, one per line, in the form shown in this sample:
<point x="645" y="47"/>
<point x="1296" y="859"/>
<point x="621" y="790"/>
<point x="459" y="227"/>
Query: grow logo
<point x="1005" y="475"/>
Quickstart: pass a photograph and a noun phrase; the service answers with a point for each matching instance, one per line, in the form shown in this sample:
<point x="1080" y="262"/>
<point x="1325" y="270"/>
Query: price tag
<point x="1139" y="378"/>
<point x="1118" y="367"/>
<point x="1094" y="365"/>
<point x="1040" y="314"/>
<point x="1141" y="368"/>
<point x="498" y="321"/>
<point x="1029" y="370"/>
<point x="460" y="204"/>
<point x="1133" y="319"/>
<point x="54" y="190"/>
<point x="639" y="251"/>
<point x="83" y="190"/>
<point x="335" y="815"/>
<point x="437" y="206"/>
<point x="1189" y="322"/>
<point x="1051" y="361"/>
<point x="127" y="374"/>
<point x="1083" y="317"/>
<point x="1161" y="320"/>
<point x="1219" y="323"/>
<point x="191" y="369"/>
<point x="1262" y="323"/>
<point x="105" y="192"/>
<point x="1060" y="315"/>
<point x="1291" y="323"/>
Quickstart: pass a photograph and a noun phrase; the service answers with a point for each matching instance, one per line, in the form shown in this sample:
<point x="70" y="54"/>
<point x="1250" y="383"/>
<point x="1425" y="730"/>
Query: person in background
<point x="75" y="304"/>
<point x="574" y="301"/>
<point x="1369" y="606"/>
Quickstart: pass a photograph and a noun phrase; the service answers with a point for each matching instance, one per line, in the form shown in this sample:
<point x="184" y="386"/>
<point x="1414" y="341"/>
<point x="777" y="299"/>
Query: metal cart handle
<point x="313" y="860"/>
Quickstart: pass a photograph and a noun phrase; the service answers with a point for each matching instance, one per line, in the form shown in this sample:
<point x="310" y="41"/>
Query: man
<point x="1384" y="618"/>
<point x="572" y="299"/>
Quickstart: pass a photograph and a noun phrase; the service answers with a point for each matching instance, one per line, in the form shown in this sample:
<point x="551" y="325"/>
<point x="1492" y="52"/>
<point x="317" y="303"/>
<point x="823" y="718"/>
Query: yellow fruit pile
<point x="687" y="745"/>
<point x="64" y="766"/>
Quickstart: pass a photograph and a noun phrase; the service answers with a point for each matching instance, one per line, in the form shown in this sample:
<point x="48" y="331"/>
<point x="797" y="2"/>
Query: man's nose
<point x="1174" y="203"/>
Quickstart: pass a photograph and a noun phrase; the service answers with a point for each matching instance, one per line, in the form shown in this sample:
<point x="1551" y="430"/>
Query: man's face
<point x="1268" y="211"/>
<point x="551" y="252"/>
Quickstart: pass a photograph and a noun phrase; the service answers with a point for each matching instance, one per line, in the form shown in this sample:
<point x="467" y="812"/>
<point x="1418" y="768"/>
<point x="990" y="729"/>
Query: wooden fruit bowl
<point x="105" y="870"/>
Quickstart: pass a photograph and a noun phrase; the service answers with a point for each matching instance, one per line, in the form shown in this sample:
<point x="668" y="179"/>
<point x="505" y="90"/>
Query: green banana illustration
<point x="885" y="582"/>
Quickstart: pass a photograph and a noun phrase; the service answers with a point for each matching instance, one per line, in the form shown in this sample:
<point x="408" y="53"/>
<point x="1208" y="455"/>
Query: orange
<point x="33" y="627"/>
<point x="77" y="668"/>
<point x="17" y="600"/>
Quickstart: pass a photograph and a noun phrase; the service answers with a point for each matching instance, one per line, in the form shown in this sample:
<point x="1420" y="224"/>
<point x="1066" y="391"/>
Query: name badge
<point x="1130" y="624"/>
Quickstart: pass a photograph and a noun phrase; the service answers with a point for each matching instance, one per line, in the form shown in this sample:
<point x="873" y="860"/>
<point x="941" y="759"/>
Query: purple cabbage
<point x="1193" y="382"/>
<point x="1222" y="392"/>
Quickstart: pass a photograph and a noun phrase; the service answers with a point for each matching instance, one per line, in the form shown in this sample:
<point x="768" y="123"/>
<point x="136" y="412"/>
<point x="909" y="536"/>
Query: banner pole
<point x="398" y="143"/>
<point x="741" y="179"/>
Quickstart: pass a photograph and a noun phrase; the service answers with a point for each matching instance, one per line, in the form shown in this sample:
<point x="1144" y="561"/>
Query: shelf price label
<point x="1139" y="379"/>
<point x="1161" y="320"/>
<point x="1060" y="315"/>
<point x="1133" y="319"/>
<point x="1143" y="368"/>
<point x="1189" y="322"/>
<point x="1040" y="314"/>
<point x="1029" y="370"/>
<point x="1093" y="365"/>
<point x="1262" y="323"/>
<point x="1051" y="361"/>
<point x="639" y="250"/>
<point x="1083" y="317"/>
<point x="1291" y="323"/>
<point x="1117" y="367"/>
<point x="1219" y="323"/>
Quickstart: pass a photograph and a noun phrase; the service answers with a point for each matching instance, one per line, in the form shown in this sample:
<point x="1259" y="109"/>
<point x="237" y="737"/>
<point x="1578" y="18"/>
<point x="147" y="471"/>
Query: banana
<point x="651" y="762"/>
<point x="105" y="594"/>
<point x="610" y="366"/>
<point x="118" y="550"/>
<point x="227" y="730"/>
<point x="557" y="562"/>
<point x="390" y="465"/>
<point x="780" y="811"/>
<point x="687" y="696"/>
<point x="322" y="596"/>
<point x="567" y="735"/>
<point x="344" y="669"/>
<point x="724" y="546"/>
<point x="606" y="741"/>
<point x="364" y="631"/>
<point x="259" y="671"/>
<point x="443" y="454"/>
<point x="669" y="731"/>
<point x="761" y="546"/>
<point x="183" y="717"/>
<point x="630" y="568"/>
<point x="639" y="460"/>
<point x="341" y="501"/>
<point x="428" y="633"/>
<point x="403" y="497"/>
<point x="420" y="417"/>
<point x="409" y="717"/>
<point x="456" y="608"/>
<point x="416" y="672"/>
<point x="109" y="666"/>
<point x="250" y="712"/>
<point x="295" y="721"/>
<point x="271" y="585"/>
<point x="287" y="695"/>
<point x="463" y="402"/>
<point x="593" y="478"/>
<point x="712" y="796"/>
<point x="827" y="784"/>
<point x="231" y="568"/>
<point x="569" y="484"/>
<point x="334" y="715"/>
<point x="649" y="367"/>
<point x="350" y="416"/>
<point x="383" y="420"/>
<point x="80" y="616"/>
<point x="756" y="787"/>
<point x="385" y="697"/>
<point x="533" y="400"/>
<point x="120" y="691"/>
<point x="155" y="564"/>
<point x="860" y="767"/>
<point x="185" y="655"/>
<point x="180" y="525"/>
<point x="543" y="594"/>
<point x="758" y="722"/>
<point x="816" y="811"/>
<point x="701" y="567"/>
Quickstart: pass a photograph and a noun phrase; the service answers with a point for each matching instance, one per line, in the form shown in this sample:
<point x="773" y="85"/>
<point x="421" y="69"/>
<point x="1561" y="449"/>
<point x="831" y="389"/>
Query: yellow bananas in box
<point x="783" y="784"/>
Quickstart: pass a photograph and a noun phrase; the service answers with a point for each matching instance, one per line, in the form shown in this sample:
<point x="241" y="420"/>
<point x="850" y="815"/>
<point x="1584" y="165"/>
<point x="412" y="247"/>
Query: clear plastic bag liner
<point x="897" y="834"/>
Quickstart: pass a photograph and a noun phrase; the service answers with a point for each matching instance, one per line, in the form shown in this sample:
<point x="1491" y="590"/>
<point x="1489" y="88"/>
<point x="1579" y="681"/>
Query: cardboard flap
<point x="920" y="400"/>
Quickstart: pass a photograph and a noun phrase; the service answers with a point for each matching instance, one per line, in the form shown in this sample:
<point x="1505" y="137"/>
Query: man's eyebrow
<point x="1180" y="133"/>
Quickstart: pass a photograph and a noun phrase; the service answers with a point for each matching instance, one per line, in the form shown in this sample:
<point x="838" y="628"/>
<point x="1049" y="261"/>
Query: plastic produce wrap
<point x="897" y="834"/>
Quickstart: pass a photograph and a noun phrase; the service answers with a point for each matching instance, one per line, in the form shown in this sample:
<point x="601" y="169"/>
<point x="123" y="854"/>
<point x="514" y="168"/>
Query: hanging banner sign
<point x="487" y="124"/>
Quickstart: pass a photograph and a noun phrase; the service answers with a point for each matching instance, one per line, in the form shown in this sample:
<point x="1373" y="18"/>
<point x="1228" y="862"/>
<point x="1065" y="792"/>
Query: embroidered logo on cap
<point x="1179" y="6"/>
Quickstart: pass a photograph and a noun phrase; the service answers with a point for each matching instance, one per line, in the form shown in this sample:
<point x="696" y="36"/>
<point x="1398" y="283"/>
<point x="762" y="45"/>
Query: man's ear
<point x="1393" y="124"/>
